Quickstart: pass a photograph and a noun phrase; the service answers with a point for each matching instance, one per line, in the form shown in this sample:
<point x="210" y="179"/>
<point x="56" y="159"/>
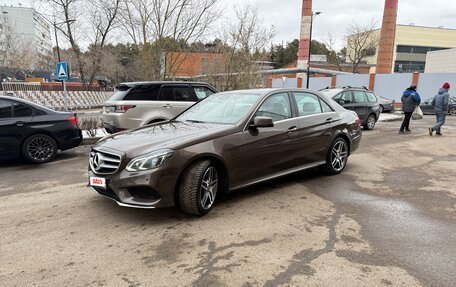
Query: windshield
<point x="223" y="108"/>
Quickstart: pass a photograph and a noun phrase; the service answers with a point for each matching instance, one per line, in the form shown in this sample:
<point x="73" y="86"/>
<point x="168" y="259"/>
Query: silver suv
<point x="139" y="103"/>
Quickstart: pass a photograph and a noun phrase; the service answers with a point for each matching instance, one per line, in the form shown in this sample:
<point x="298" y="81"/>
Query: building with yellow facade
<point x="412" y="43"/>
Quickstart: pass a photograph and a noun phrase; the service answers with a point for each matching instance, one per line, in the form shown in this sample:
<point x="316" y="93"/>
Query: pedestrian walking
<point x="410" y="100"/>
<point x="440" y="104"/>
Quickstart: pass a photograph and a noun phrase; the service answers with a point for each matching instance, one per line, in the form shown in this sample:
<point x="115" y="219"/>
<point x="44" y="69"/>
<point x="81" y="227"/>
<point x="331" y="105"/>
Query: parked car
<point x="427" y="108"/>
<point x="360" y="100"/>
<point x="136" y="104"/>
<point x="35" y="132"/>
<point x="386" y="105"/>
<point x="226" y="142"/>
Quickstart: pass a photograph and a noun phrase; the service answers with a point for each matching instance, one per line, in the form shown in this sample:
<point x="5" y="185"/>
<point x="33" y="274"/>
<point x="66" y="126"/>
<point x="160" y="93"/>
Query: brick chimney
<point x="304" y="40"/>
<point x="387" y="37"/>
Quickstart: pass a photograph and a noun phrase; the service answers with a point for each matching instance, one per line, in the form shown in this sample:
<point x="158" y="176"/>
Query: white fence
<point x="386" y="85"/>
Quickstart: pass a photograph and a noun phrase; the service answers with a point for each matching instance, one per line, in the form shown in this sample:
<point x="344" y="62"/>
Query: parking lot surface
<point x="388" y="220"/>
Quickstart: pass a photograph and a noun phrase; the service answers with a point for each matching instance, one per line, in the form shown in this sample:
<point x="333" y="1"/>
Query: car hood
<point x="172" y="135"/>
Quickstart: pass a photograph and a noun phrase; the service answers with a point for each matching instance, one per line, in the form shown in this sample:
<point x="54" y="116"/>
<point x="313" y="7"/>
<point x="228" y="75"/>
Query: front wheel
<point x="381" y="109"/>
<point x="39" y="148"/>
<point x="337" y="156"/>
<point x="452" y="111"/>
<point x="370" y="123"/>
<point x="198" y="188"/>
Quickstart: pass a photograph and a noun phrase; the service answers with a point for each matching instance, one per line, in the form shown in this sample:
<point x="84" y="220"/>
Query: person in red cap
<point x="440" y="104"/>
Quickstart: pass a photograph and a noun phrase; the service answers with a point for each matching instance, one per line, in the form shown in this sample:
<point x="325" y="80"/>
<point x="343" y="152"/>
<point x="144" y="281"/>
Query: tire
<point x="452" y="111"/>
<point x="337" y="157"/>
<point x="370" y="123"/>
<point x="198" y="188"/>
<point x="381" y="109"/>
<point x="39" y="148"/>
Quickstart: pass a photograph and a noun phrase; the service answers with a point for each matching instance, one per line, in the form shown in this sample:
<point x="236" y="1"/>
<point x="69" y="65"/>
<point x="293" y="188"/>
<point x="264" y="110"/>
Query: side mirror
<point x="341" y="102"/>
<point x="262" y="122"/>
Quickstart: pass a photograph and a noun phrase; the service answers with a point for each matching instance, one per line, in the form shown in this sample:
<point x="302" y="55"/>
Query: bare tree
<point x="243" y="49"/>
<point x="18" y="53"/>
<point x="103" y="20"/>
<point x="166" y="25"/>
<point x="362" y="42"/>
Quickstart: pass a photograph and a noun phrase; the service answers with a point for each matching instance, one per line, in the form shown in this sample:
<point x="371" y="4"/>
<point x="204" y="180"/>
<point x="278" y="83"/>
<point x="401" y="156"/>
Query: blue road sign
<point x="62" y="71"/>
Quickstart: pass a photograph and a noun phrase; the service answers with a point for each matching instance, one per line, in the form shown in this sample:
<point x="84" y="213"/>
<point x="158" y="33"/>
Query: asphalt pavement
<point x="388" y="220"/>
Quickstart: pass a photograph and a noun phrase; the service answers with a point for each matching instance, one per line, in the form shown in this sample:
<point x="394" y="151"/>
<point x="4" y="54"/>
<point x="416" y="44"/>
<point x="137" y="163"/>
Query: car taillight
<point x="123" y="108"/>
<point x="358" y="121"/>
<point x="73" y="120"/>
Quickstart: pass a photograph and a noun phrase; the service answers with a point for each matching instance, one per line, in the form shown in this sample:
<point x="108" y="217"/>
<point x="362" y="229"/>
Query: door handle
<point x="292" y="129"/>
<point x="167" y="106"/>
<point x="328" y="121"/>
<point x="19" y="124"/>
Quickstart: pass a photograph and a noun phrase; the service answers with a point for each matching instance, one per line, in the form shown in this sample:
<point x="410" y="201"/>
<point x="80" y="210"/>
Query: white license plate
<point x="98" y="181"/>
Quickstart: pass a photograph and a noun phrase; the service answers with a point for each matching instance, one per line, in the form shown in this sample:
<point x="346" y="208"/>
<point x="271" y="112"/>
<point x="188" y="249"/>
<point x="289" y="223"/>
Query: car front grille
<point x="103" y="162"/>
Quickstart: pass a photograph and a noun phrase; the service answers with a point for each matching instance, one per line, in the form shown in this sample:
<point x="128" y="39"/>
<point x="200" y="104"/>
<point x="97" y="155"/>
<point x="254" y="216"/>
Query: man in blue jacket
<point x="410" y="100"/>
<point x="440" y="104"/>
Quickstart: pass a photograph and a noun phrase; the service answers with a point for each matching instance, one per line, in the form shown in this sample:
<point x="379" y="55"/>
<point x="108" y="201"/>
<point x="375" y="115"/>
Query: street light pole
<point x="314" y="14"/>
<point x="57" y="41"/>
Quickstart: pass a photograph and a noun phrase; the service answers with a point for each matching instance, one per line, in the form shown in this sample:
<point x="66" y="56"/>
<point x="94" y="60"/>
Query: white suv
<point x="139" y="103"/>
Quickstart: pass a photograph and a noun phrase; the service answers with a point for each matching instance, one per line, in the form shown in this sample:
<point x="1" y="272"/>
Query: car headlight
<point x="149" y="161"/>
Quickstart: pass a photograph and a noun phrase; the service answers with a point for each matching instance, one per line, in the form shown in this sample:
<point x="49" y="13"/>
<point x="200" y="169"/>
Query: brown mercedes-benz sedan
<point x="227" y="141"/>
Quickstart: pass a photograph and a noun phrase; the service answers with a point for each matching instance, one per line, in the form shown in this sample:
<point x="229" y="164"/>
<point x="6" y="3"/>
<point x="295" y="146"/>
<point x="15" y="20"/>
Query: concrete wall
<point x="319" y="83"/>
<point x="392" y="86"/>
<point x="443" y="61"/>
<point x="429" y="84"/>
<point x="288" y="83"/>
<point x="353" y="80"/>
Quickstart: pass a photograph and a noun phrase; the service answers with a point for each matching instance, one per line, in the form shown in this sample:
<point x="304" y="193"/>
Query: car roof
<point x="160" y="83"/>
<point x="30" y="103"/>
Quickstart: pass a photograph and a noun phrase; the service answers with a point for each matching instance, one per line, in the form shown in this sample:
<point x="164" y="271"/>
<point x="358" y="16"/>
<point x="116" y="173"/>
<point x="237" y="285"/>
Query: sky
<point x="285" y="15"/>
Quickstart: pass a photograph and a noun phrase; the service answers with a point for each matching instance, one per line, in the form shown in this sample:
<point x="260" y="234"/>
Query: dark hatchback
<point x="35" y="132"/>
<point x="427" y="108"/>
<point x="225" y="142"/>
<point x="360" y="100"/>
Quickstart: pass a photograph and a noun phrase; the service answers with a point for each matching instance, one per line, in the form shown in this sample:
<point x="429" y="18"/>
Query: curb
<point x="90" y="141"/>
<point x="398" y="119"/>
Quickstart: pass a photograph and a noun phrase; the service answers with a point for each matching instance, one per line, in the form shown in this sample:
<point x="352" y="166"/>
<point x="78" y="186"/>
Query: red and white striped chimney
<point x="304" y="40"/>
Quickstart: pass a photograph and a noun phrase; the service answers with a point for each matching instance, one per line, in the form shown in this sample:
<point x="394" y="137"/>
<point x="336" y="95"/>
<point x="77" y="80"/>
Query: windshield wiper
<point x="194" y="121"/>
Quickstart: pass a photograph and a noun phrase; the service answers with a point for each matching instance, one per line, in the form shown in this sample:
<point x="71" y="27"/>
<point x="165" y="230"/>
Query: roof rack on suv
<point x="350" y="87"/>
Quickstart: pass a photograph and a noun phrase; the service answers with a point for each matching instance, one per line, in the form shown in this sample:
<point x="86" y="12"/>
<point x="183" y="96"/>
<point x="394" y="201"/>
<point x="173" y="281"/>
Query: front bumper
<point x="147" y="189"/>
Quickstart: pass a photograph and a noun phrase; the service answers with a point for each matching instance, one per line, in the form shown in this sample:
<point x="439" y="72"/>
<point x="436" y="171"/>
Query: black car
<point x="360" y="100"/>
<point x="427" y="108"/>
<point x="35" y="132"/>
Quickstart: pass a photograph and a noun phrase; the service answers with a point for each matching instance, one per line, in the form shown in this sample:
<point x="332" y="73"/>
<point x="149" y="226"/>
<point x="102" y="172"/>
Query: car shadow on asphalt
<point x="59" y="157"/>
<point x="173" y="216"/>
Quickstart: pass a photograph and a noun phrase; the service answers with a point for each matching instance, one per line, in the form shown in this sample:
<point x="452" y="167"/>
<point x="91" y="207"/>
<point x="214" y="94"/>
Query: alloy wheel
<point x="452" y="111"/>
<point x="209" y="186"/>
<point x="370" y="122"/>
<point x="40" y="148"/>
<point x="339" y="155"/>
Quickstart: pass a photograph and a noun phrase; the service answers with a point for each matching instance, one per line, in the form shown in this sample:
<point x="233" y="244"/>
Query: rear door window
<point x="143" y="93"/>
<point x="371" y="97"/>
<point x="21" y="110"/>
<point x="177" y="94"/>
<point x="202" y="92"/>
<point x="359" y="97"/>
<point x="6" y="110"/>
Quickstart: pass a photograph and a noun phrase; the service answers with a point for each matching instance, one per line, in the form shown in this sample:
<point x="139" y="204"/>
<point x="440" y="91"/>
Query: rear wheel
<point x="198" y="188"/>
<point x="39" y="148"/>
<point x="370" y="123"/>
<point x="337" y="157"/>
<point x="452" y="111"/>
